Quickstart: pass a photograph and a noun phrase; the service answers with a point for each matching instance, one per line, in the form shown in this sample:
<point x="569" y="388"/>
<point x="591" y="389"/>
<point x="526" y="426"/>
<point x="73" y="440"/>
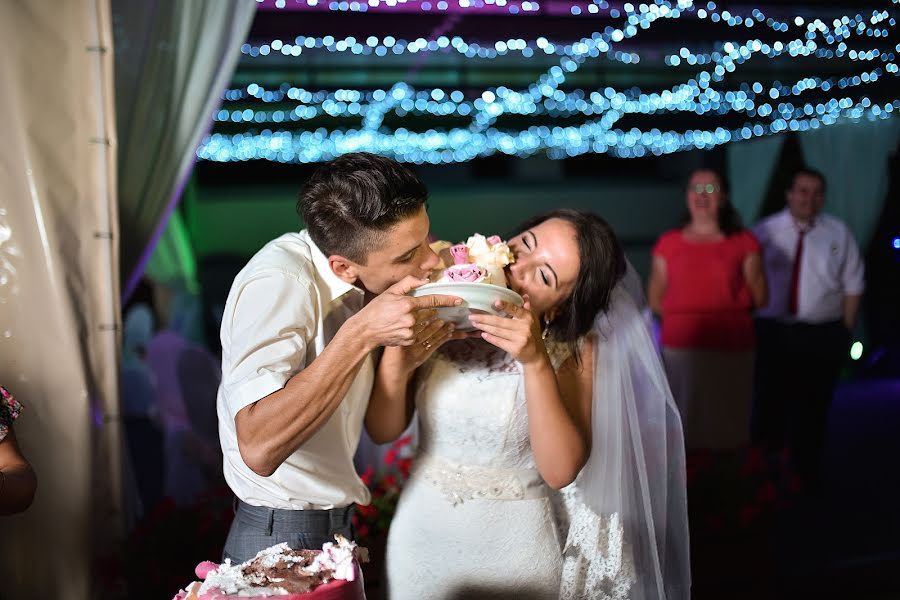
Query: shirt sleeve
<point x="760" y="234"/>
<point x="272" y="321"/>
<point x="853" y="274"/>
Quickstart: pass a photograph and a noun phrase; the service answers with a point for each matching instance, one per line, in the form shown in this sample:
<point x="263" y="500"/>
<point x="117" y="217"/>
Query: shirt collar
<point x="334" y="285"/>
<point x="789" y="221"/>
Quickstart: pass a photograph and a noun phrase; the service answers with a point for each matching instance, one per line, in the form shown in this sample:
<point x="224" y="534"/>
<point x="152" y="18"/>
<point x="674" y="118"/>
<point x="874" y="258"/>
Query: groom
<point x="300" y="324"/>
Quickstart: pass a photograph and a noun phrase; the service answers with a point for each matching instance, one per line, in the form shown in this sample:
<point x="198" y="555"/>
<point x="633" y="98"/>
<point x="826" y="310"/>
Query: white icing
<point x="230" y="579"/>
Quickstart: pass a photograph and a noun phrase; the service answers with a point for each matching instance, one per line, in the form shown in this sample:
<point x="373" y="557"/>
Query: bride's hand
<point x="520" y="336"/>
<point x="430" y="334"/>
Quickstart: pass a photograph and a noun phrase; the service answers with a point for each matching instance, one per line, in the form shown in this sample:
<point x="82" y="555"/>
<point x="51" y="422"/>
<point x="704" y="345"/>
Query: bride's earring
<point x="546" y="329"/>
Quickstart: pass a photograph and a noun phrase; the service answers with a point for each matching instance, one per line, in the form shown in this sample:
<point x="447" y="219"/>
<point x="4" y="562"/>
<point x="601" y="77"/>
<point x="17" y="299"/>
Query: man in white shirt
<point x="298" y="333"/>
<point x="816" y="281"/>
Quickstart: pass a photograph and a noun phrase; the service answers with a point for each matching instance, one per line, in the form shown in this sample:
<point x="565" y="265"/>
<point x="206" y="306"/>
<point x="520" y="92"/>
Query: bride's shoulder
<point x="575" y="357"/>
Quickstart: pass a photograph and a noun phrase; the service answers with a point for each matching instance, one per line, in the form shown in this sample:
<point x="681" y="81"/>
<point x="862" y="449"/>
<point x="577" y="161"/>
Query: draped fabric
<point x="854" y="158"/>
<point x="59" y="290"/>
<point x="636" y="470"/>
<point x="173" y="61"/>
<point x="750" y="167"/>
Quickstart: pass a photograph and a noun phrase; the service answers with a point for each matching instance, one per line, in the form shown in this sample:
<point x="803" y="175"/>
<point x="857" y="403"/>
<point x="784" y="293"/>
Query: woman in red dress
<point x="705" y="281"/>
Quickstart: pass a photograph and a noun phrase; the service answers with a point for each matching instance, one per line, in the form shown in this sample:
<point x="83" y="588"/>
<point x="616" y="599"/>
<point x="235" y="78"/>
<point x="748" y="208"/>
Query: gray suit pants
<point x="256" y="527"/>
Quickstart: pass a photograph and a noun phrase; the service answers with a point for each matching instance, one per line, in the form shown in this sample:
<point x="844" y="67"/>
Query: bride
<point x="551" y="458"/>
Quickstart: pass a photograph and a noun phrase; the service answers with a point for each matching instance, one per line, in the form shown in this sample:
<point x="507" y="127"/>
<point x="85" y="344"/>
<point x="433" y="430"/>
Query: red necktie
<point x="795" y="272"/>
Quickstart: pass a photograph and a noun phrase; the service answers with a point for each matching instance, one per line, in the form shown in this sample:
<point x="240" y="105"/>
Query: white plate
<point x="477" y="298"/>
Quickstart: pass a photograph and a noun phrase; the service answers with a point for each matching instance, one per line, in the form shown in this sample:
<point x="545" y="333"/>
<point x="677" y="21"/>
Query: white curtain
<point x="59" y="289"/>
<point x="855" y="159"/>
<point x="750" y="167"/>
<point x="173" y="61"/>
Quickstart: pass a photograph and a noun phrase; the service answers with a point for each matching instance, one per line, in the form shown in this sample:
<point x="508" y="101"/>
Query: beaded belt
<point x="470" y="482"/>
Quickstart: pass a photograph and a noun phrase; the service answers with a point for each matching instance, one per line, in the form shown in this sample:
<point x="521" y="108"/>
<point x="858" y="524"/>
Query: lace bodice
<point x="471" y="408"/>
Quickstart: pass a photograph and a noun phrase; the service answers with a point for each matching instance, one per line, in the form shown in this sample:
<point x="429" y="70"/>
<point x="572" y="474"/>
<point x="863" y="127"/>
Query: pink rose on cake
<point x="492" y="254"/>
<point x="460" y="254"/>
<point x="488" y="256"/>
<point x="466" y="273"/>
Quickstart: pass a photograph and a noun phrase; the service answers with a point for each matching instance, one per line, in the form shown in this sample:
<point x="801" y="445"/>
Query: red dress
<point x="707" y="303"/>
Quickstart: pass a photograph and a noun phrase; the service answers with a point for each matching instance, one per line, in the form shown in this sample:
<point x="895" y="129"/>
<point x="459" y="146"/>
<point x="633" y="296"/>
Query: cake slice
<point x="328" y="574"/>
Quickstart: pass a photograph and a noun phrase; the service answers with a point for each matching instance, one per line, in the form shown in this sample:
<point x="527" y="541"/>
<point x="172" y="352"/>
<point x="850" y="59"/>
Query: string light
<point x="459" y="145"/>
<point x="646" y="15"/>
<point x="693" y="97"/>
<point x="373" y="45"/>
<point x="587" y="9"/>
<point x="505" y="6"/>
<point x="771" y="105"/>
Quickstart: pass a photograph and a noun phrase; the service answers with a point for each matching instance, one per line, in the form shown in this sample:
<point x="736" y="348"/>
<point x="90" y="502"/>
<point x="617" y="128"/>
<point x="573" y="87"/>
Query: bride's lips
<point x="511" y="279"/>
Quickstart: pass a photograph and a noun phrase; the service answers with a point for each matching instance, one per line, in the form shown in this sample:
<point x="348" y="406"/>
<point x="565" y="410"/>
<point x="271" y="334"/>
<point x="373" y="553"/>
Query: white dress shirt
<point x="830" y="267"/>
<point x="283" y="308"/>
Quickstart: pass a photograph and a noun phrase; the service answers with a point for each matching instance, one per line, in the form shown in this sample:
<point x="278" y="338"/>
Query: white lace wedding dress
<point x="475" y="519"/>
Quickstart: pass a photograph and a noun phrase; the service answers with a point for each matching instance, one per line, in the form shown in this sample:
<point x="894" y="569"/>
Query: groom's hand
<point x="433" y="334"/>
<point x="395" y="319"/>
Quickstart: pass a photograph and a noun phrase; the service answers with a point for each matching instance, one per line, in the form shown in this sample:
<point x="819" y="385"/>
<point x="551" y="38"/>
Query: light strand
<point x="461" y="145"/>
<point x="604" y="107"/>
<point x="405" y="100"/>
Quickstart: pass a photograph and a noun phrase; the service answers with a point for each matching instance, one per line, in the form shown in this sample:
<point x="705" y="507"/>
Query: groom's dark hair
<point x="349" y="203"/>
<point x="602" y="265"/>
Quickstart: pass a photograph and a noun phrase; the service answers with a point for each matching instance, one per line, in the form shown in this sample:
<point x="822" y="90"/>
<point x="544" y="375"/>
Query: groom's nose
<point x="431" y="260"/>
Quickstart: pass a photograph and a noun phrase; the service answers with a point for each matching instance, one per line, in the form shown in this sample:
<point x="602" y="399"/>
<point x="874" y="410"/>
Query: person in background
<point x="17" y="479"/>
<point x="816" y="275"/>
<point x="187" y="379"/>
<point x="705" y="280"/>
<point x="140" y="408"/>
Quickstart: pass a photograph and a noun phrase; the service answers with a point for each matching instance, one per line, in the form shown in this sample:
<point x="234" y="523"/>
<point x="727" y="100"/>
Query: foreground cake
<point x="328" y="574"/>
<point x="479" y="260"/>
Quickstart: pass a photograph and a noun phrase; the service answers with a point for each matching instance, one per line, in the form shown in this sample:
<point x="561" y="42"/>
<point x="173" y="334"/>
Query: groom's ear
<point x="344" y="268"/>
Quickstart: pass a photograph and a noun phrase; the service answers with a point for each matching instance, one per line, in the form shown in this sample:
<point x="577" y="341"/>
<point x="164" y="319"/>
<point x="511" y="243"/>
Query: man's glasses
<point x="709" y="188"/>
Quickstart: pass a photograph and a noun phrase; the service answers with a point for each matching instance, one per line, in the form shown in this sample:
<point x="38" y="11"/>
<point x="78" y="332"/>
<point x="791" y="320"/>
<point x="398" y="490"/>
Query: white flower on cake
<point x="491" y="251"/>
<point x="480" y="260"/>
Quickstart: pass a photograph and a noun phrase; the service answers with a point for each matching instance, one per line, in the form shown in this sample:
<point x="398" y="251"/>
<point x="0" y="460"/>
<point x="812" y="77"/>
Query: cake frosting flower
<point x="460" y="254"/>
<point x="490" y="251"/>
<point x="464" y="273"/>
<point x="479" y="260"/>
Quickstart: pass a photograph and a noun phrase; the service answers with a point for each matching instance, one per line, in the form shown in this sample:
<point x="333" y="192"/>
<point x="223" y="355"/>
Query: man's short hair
<point x="349" y="203"/>
<point x="810" y="172"/>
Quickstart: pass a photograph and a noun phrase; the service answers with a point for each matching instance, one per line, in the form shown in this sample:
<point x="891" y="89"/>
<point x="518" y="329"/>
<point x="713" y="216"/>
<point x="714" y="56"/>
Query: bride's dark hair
<point x="602" y="263"/>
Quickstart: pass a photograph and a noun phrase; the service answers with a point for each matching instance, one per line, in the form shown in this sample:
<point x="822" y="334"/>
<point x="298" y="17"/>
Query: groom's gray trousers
<point x="256" y="527"/>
